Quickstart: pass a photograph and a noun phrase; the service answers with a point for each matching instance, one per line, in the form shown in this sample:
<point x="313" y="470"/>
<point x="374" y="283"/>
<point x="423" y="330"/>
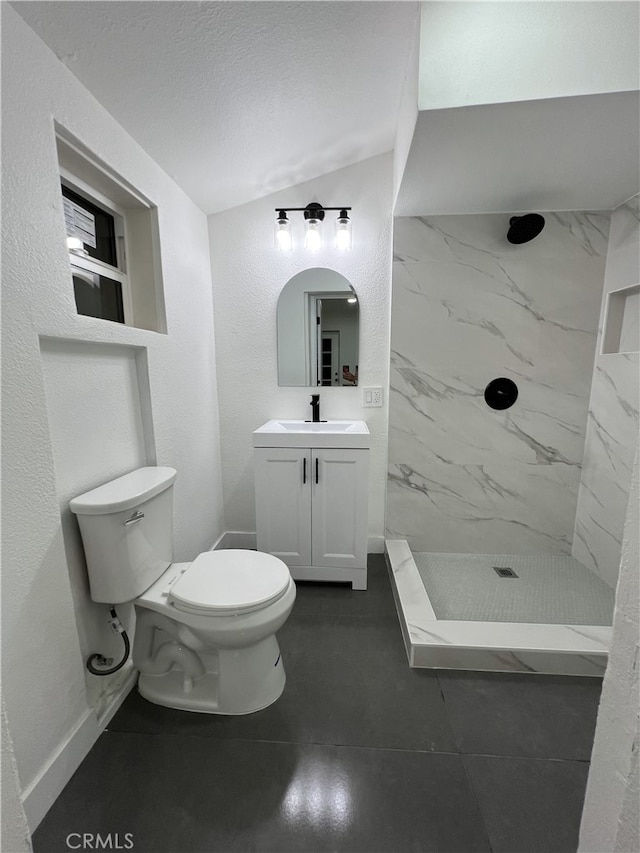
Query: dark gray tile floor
<point x="360" y="753"/>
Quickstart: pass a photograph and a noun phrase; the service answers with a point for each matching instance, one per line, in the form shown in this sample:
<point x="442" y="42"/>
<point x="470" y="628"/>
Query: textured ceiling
<point x="236" y="100"/>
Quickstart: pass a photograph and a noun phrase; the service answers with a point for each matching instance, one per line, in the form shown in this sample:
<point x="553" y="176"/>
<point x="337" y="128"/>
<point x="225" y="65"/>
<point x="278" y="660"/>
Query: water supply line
<point x="99" y="664"/>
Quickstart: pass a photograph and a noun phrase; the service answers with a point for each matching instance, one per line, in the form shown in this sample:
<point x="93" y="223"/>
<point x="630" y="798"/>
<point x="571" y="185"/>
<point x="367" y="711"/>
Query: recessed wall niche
<point x="99" y="414"/>
<point x="98" y="407"/>
<point x="125" y="285"/>
<point x="622" y="321"/>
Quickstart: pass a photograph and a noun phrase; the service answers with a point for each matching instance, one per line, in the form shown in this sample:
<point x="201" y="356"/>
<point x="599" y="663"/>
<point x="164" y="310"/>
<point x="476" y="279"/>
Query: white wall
<point x="43" y="671"/>
<point x="408" y="112"/>
<point x="484" y="53"/>
<point x="612" y="803"/>
<point x="613" y="420"/>
<point x="248" y="275"/>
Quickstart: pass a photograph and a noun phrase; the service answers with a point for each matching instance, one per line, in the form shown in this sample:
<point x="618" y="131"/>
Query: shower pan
<point x="511" y="432"/>
<point x="495" y="612"/>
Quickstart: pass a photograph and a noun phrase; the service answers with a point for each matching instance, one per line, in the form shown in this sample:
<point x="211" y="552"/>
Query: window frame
<point x="85" y="263"/>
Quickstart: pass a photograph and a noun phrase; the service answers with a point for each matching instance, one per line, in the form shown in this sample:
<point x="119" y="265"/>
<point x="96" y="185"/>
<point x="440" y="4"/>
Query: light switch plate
<point x="372" y="397"/>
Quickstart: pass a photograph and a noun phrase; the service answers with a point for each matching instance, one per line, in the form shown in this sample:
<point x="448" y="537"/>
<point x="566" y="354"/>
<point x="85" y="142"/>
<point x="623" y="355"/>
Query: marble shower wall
<point x="469" y="307"/>
<point x="612" y="425"/>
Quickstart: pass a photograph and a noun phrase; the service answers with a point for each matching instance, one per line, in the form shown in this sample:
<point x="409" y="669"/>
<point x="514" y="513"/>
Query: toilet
<point x="205" y="631"/>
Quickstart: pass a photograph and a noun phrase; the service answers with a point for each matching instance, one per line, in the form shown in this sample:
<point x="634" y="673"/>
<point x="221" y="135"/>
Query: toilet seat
<point x="230" y="582"/>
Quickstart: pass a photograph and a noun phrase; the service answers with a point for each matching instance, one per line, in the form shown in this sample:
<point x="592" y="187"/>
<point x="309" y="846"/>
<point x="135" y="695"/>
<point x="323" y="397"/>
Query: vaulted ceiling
<point x="523" y="105"/>
<point x="236" y="100"/>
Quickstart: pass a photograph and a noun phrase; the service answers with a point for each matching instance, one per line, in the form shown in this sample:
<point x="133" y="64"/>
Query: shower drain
<point x="504" y="572"/>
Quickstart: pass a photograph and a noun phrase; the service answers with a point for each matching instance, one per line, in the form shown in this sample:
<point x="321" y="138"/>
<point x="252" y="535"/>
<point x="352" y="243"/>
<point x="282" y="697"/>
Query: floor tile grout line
<point x="447" y="712"/>
<point x="303" y="743"/>
<point x="477" y="802"/>
<point x="358" y="746"/>
<point x="526" y="757"/>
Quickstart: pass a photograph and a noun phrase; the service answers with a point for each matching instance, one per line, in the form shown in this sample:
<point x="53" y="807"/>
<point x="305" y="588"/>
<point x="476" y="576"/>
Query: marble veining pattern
<point x="483" y="508"/>
<point x="468" y="307"/>
<point x="613" y="419"/>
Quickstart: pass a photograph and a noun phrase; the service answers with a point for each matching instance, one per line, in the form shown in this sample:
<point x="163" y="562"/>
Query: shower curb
<point x="433" y="643"/>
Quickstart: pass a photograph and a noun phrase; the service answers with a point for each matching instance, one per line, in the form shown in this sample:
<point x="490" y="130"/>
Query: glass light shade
<point x="312" y="237"/>
<point x="283" y="240"/>
<point x="343" y="232"/>
<point x="75" y="244"/>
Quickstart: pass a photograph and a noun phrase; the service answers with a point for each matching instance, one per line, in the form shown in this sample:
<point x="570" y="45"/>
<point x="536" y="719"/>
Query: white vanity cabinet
<point x="312" y="502"/>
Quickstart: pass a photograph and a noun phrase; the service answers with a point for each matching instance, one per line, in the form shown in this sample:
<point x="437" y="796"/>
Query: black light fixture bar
<point x="309" y="207"/>
<point x="314" y="214"/>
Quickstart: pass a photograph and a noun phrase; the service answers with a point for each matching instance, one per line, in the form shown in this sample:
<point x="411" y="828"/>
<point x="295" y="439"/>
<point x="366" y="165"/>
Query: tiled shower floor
<point x="466" y="639"/>
<point x="553" y="590"/>
<point x="361" y="753"/>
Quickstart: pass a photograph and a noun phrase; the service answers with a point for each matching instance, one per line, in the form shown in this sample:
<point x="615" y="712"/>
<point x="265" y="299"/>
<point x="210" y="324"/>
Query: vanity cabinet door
<point x="283" y="503"/>
<point x="339" y="486"/>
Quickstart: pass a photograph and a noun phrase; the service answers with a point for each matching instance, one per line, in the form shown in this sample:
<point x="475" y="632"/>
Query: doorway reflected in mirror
<point x="318" y="331"/>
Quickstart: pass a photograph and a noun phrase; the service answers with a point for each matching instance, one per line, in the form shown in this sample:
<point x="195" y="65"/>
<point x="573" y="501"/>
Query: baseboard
<point x="42" y="793"/>
<point x="127" y="686"/>
<point x="235" y="539"/>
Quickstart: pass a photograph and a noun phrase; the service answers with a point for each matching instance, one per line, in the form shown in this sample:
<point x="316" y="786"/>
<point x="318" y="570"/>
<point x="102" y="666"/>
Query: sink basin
<point x="286" y="433"/>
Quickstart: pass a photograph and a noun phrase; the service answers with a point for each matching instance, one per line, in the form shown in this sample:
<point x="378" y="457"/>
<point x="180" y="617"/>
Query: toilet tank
<point x="127" y="532"/>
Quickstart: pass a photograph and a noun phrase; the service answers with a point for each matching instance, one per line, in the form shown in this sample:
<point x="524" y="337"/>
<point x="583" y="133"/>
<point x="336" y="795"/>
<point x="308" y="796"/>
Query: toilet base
<point x="240" y="681"/>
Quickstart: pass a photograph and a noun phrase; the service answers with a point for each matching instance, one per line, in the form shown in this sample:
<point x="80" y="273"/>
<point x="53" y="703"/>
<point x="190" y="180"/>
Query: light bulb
<point x="284" y="243"/>
<point x="313" y="238"/>
<point x="75" y="244"/>
<point x="283" y="240"/>
<point x="343" y="232"/>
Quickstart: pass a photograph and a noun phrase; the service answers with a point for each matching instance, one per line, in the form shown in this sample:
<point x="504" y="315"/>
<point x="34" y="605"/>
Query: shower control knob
<point x="501" y="393"/>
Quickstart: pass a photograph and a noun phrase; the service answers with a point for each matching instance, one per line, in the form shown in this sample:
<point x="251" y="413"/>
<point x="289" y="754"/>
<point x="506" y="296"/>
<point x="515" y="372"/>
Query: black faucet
<point x="315" y="405"/>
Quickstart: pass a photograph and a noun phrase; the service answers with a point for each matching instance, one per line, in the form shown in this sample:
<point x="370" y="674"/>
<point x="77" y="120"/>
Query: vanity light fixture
<point x="313" y="216"/>
<point x="284" y="243"/>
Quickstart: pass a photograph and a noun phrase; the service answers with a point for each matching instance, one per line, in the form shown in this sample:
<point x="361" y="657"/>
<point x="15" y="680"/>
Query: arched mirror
<point x="318" y="330"/>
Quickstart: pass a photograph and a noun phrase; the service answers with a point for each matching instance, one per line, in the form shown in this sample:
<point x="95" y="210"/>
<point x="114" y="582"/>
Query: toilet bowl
<point x="230" y="659"/>
<point x="205" y="631"/>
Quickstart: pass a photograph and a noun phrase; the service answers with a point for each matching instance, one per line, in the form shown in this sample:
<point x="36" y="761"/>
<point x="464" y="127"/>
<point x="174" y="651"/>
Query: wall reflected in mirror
<point x="318" y="330"/>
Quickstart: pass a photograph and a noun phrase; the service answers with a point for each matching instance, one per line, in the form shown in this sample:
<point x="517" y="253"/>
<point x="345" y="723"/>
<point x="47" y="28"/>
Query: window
<point x="112" y="239"/>
<point x="95" y="237"/>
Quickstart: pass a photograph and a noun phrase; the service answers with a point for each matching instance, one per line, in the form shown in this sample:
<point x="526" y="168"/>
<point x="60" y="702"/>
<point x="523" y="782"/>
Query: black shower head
<point x="525" y="228"/>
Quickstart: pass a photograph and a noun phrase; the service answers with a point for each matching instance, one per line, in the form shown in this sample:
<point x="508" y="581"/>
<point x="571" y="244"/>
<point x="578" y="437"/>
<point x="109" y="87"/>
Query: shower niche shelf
<point x="622" y="321"/>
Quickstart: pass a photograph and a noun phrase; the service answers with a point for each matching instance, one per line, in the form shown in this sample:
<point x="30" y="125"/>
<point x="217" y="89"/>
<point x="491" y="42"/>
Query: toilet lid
<point x="233" y="581"/>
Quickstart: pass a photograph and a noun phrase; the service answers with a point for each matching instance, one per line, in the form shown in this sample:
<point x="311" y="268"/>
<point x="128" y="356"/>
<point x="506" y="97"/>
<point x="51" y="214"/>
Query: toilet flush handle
<point x="137" y="516"/>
